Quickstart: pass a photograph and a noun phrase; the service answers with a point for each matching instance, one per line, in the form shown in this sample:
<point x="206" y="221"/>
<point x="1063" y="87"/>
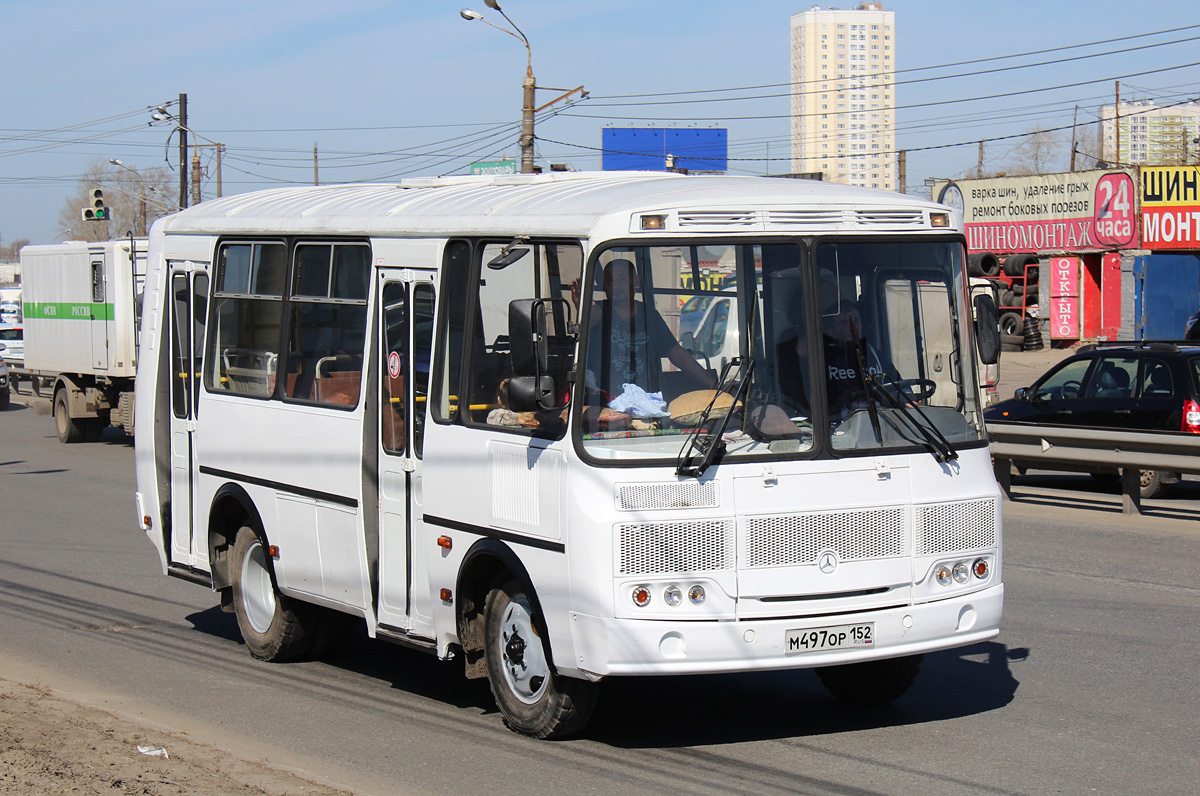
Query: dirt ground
<point x="52" y="744"/>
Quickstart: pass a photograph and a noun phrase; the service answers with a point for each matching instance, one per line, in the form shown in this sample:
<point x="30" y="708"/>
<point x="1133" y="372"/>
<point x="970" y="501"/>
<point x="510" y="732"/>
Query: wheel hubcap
<point x="526" y="670"/>
<point x="258" y="596"/>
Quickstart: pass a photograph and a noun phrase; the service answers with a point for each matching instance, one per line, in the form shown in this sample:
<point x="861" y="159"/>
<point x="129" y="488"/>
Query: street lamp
<point x="527" y="109"/>
<point x="141" y="191"/>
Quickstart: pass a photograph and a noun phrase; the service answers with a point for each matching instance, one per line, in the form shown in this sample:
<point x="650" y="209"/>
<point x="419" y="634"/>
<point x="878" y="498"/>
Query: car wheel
<point x="1154" y="484"/>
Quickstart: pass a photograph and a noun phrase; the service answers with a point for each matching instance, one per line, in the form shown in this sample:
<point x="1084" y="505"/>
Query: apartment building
<point x="843" y="96"/>
<point x="1145" y="133"/>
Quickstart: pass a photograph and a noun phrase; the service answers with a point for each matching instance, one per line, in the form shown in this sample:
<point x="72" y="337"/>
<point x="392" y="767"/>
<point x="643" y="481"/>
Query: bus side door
<point x="188" y="309"/>
<point x="406" y="328"/>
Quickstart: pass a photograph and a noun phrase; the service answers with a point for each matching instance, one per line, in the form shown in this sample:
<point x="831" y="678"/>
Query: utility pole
<point x="1074" y="146"/>
<point x="220" y="149"/>
<point x="196" y="199"/>
<point x="903" y="171"/>
<point x="979" y="165"/>
<point x="183" y="152"/>
<point x="316" y="177"/>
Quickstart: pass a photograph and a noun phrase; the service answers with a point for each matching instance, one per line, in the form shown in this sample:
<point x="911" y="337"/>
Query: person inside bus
<point x="842" y="326"/>
<point x="628" y="338"/>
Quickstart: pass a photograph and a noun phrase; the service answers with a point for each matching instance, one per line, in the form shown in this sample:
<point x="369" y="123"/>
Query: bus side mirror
<point x="530" y="388"/>
<point x="987" y="329"/>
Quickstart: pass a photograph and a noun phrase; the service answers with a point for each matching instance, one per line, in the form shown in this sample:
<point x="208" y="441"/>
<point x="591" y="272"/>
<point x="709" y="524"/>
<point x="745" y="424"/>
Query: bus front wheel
<point x="274" y="627"/>
<point x="871" y="682"/>
<point x="533" y="699"/>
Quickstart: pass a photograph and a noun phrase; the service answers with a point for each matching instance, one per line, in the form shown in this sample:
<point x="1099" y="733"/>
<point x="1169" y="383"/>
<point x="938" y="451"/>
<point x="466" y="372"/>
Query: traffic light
<point x="97" y="212"/>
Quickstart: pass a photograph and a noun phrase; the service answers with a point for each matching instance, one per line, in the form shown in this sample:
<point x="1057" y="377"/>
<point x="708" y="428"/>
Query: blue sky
<point x="403" y="78"/>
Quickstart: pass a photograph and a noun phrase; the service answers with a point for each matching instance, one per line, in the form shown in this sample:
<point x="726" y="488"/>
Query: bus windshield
<point x="817" y="348"/>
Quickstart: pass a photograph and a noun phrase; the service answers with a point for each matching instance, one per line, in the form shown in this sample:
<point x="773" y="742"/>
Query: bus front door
<point x="405" y="329"/>
<point x="189" y="303"/>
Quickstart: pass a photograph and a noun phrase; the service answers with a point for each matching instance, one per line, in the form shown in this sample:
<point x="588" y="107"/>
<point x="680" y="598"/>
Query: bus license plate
<point x="816" y="639"/>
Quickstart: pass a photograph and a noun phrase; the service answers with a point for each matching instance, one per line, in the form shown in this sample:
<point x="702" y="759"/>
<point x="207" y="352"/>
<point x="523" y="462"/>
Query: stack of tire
<point x="1019" y="331"/>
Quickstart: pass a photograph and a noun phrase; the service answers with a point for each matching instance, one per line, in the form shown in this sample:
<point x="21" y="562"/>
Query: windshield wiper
<point x="700" y="450"/>
<point x="941" y="448"/>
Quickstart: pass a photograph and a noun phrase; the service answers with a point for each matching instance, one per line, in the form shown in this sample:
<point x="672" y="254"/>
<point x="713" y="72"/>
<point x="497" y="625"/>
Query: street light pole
<point x="528" y="85"/>
<point x="141" y="192"/>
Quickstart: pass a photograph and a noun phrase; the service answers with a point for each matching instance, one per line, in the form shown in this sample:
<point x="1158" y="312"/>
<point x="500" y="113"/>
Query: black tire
<point x="1011" y="323"/>
<point x="274" y="627"/>
<point x="1154" y="484"/>
<point x="533" y="698"/>
<point x="1012" y="339"/>
<point x="69" y="429"/>
<point x="4" y="399"/>
<point x="871" y="682"/>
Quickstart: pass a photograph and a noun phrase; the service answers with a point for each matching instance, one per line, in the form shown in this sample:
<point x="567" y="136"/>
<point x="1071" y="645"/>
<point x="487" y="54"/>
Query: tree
<point x="12" y="252"/>
<point x="1040" y="152"/>
<point x="135" y="200"/>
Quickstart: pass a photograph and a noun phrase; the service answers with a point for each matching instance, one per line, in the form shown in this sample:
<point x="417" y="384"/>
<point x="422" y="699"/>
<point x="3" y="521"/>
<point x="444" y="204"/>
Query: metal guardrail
<point x="1089" y="449"/>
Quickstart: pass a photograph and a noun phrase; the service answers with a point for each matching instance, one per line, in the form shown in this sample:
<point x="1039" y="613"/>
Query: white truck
<point x="81" y="304"/>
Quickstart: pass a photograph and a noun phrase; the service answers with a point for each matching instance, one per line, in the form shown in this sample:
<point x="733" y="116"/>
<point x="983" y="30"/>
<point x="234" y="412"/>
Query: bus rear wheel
<point x="871" y="682"/>
<point x="533" y="699"/>
<point x="274" y="627"/>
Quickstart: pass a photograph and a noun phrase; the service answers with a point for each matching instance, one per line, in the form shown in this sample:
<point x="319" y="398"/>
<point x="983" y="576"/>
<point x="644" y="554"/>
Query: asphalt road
<point x="1092" y="687"/>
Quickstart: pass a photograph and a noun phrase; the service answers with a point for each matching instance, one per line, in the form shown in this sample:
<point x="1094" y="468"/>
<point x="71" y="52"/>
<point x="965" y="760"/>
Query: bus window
<point x="328" y="323"/>
<point x="456" y="269"/>
<point x="395" y="365"/>
<point x="247" y="316"/>
<point x="546" y="271"/>
<point x="422" y="340"/>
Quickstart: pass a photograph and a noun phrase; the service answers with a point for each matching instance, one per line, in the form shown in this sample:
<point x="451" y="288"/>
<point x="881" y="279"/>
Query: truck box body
<point x="80" y="307"/>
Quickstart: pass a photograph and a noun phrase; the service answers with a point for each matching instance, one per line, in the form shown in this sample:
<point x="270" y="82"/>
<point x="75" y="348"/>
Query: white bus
<point x="456" y="409"/>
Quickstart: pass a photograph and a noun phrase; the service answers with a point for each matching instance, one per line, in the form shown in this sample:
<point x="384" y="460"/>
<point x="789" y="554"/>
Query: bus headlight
<point x="673" y="595"/>
<point x="981" y="568"/>
<point x="962" y="573"/>
<point x="641" y="596"/>
<point x="696" y="594"/>
<point x="943" y="575"/>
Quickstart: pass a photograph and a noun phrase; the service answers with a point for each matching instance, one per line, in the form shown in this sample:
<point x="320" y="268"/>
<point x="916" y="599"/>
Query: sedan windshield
<point x="704" y="353"/>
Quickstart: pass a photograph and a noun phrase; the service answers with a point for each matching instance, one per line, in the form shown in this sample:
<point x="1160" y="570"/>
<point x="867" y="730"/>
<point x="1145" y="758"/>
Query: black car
<point x="1142" y="386"/>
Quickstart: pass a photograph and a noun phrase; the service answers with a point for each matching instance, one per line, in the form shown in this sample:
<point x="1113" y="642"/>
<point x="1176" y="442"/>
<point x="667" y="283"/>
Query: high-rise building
<point x="843" y="96"/>
<point x="1145" y="134"/>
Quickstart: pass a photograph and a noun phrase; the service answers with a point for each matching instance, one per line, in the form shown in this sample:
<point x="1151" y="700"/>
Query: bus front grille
<point x="648" y="548"/>
<point x="797" y="539"/>
<point x="956" y="527"/>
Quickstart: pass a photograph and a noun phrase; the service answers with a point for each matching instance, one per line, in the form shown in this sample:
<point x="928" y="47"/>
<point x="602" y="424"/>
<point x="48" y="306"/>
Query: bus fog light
<point x="673" y="595"/>
<point x="981" y="568"/>
<point x="962" y="573"/>
<point x="641" y="596"/>
<point x="696" y="594"/>
<point x="943" y="575"/>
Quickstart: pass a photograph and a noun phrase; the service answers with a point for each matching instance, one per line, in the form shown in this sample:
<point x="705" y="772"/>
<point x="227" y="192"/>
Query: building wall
<point x="843" y="96"/>
<point x="1150" y="135"/>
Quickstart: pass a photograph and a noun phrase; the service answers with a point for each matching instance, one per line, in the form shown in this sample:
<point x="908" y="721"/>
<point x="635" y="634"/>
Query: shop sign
<point x="1070" y="212"/>
<point x="1171" y="207"/>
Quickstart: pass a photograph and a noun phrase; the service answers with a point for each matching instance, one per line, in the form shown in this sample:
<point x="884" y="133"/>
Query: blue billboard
<point x="665" y="149"/>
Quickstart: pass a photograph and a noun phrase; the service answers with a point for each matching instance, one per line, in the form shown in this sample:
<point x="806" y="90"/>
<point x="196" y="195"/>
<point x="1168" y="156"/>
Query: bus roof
<point x="560" y="203"/>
